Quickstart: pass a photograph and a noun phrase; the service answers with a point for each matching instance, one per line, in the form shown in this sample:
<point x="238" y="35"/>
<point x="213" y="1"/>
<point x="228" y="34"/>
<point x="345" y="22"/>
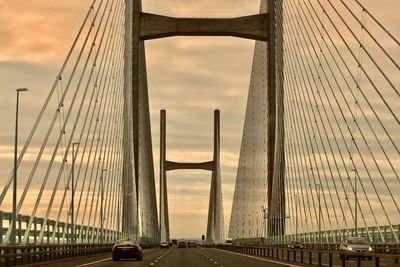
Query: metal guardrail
<point x="26" y="254"/>
<point x="306" y="254"/>
<point x="374" y="234"/>
<point x="53" y="231"/>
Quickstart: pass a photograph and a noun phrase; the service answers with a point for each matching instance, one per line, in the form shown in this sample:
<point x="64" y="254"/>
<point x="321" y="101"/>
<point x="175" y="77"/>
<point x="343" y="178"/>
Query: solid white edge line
<point x="93" y="262"/>
<point x="257" y="258"/>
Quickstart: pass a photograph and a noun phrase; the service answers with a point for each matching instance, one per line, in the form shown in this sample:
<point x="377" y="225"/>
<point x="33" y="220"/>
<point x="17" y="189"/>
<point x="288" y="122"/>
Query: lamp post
<point x="355" y="202"/>
<point x="73" y="192"/>
<point x="264" y="221"/>
<point x="14" y="211"/>
<point x="319" y="214"/>
<point x="101" y="206"/>
<point x="119" y="213"/>
<point x="296" y="196"/>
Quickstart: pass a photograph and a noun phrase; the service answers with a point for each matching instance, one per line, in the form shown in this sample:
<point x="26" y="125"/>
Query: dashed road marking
<point x="257" y="258"/>
<point x="94" y="262"/>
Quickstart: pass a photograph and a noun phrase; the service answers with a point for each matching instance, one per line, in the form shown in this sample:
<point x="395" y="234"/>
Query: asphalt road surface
<point x="188" y="257"/>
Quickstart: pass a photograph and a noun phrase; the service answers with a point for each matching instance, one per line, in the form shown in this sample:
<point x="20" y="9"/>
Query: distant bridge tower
<point x="215" y="225"/>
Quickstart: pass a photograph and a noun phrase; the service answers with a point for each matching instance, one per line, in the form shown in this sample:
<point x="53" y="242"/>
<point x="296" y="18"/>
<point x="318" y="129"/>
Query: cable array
<point x="341" y="120"/>
<point x="78" y="130"/>
<point x="340" y="127"/>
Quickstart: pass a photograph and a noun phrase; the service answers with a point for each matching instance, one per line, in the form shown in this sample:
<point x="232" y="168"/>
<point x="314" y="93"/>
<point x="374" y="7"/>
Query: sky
<point x="189" y="77"/>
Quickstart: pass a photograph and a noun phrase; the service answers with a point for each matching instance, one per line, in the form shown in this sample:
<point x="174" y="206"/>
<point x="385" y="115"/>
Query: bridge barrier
<point x="27" y="254"/>
<point x="56" y="232"/>
<point x="373" y="234"/>
<point x="326" y="252"/>
<point x="19" y="255"/>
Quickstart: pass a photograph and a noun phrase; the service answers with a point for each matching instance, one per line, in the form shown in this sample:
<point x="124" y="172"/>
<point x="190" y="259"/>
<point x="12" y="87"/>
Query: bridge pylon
<point x="215" y="224"/>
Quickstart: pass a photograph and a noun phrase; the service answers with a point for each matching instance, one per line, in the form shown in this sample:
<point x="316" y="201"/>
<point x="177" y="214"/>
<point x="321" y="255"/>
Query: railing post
<point x="310" y="258"/>
<point x="330" y="260"/>
<point x="319" y="259"/>
<point x="34" y="230"/>
<point x="19" y="228"/>
<point x="398" y="232"/>
<point x="359" y="261"/>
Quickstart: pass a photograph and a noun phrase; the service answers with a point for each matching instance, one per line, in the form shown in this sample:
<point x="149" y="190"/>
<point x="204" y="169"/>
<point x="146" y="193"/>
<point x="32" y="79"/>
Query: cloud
<point x="39" y="31"/>
<point x="189" y="77"/>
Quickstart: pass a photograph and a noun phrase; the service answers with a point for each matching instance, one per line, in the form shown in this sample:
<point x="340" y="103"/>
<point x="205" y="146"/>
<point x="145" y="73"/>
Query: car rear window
<point x="126" y="242"/>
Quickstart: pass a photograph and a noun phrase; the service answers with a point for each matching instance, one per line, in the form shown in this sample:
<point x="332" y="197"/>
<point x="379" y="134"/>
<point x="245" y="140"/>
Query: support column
<point x="164" y="217"/>
<point x="130" y="137"/>
<point x="275" y="131"/>
<point x="215" y="225"/>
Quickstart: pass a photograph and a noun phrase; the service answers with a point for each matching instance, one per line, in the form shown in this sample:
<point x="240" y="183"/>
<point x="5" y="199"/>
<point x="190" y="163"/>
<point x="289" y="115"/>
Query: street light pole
<point x="14" y="211"/>
<point x="296" y="196"/>
<point x="355" y="203"/>
<point x="119" y="213"/>
<point x="319" y="214"/>
<point x="264" y="221"/>
<point x="101" y="206"/>
<point x="73" y="192"/>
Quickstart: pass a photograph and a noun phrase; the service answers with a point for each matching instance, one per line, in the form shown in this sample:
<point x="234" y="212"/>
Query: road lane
<point x="227" y="258"/>
<point x="150" y="257"/>
<point x="193" y="257"/>
<point x="104" y="259"/>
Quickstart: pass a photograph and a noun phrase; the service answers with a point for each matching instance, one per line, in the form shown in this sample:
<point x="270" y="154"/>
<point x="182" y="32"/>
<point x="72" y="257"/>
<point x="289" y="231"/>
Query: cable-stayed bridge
<point x="319" y="157"/>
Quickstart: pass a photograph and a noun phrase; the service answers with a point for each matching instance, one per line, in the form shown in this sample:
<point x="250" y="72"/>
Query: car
<point x="355" y="247"/>
<point x="182" y="244"/>
<point x="296" y="244"/>
<point x="164" y="245"/>
<point x="192" y="245"/>
<point x="127" y="249"/>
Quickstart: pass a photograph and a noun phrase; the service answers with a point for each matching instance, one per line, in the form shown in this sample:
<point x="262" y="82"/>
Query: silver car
<point x="355" y="247"/>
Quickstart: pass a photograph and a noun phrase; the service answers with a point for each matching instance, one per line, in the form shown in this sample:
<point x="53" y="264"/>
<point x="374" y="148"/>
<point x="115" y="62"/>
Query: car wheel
<point x="140" y="257"/>
<point x="115" y="258"/>
<point x="341" y="256"/>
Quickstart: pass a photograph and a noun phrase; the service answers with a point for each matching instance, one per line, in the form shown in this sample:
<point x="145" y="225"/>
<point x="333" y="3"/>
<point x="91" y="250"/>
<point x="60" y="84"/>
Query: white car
<point x="164" y="245"/>
<point x="355" y="247"/>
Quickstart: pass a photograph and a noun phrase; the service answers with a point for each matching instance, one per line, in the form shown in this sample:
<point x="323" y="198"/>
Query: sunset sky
<point x="189" y="77"/>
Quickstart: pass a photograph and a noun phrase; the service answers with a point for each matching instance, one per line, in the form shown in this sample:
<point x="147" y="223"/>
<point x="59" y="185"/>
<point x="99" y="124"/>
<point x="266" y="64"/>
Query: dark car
<point x="182" y="244"/>
<point x="296" y="244"/>
<point x="192" y="245"/>
<point x="127" y="249"/>
<point x="164" y="245"/>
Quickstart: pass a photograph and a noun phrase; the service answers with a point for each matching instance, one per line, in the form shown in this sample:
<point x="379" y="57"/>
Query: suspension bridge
<point x="319" y="156"/>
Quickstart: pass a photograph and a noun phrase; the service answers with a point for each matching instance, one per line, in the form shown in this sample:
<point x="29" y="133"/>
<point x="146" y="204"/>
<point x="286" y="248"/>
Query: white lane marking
<point x="261" y="259"/>
<point x="151" y="264"/>
<point x="94" y="262"/>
